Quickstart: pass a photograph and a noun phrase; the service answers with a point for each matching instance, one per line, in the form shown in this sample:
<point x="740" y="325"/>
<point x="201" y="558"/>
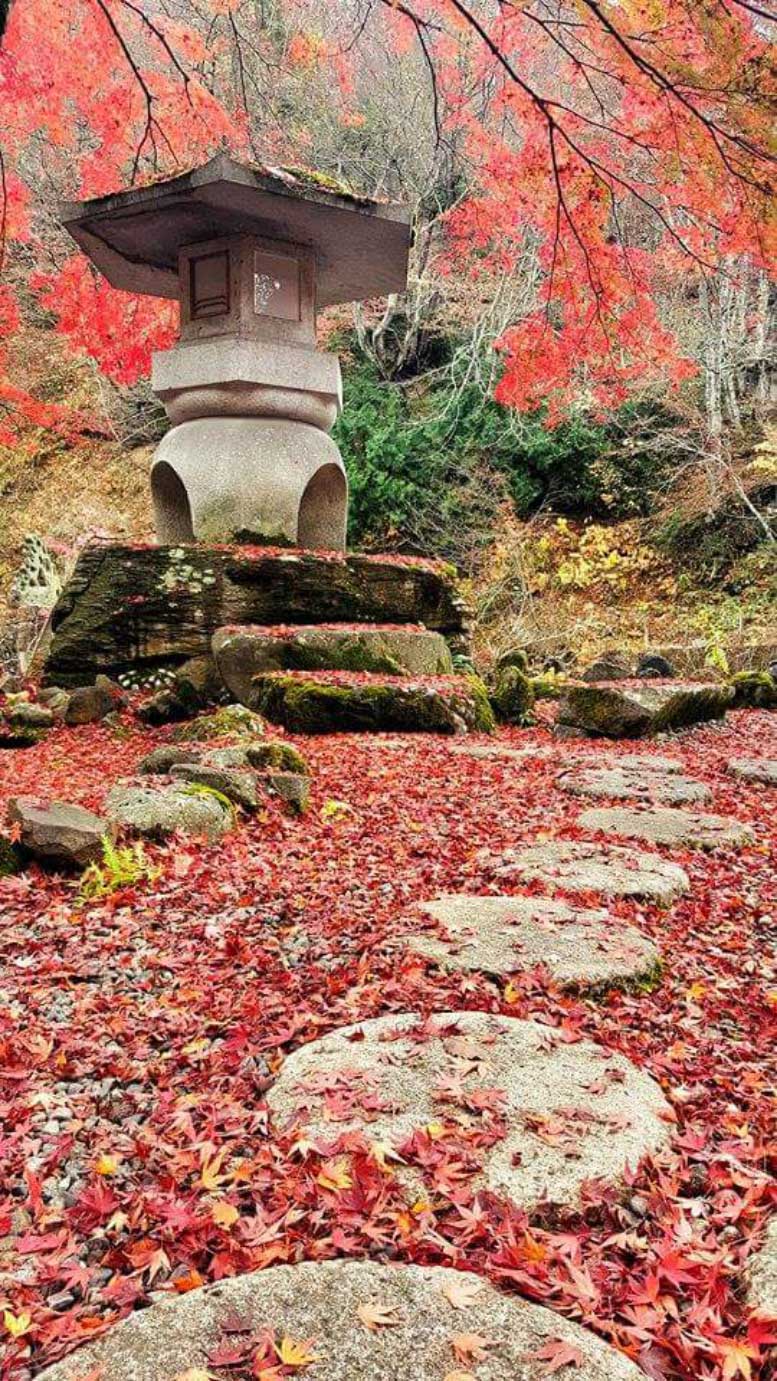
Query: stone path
<point x="352" y="1321"/>
<point x="762" y="1276"/>
<point x="761" y="770"/>
<point x="572" y="1111"/>
<point x="582" y="867"/>
<point x="632" y="783"/>
<point x="662" y="825"/>
<point x="498" y="750"/>
<point x="499" y="935"/>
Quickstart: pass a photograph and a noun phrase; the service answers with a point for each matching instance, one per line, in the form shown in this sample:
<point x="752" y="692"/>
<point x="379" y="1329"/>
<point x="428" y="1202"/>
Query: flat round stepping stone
<point x="500" y="935"/>
<point x="662" y="825"/>
<point x="631" y="783"/>
<point x="498" y="750"/>
<point x="560" y="1113"/>
<point x="583" y="867"/>
<point x="761" y="770"/>
<point x="347" y="1321"/>
<point x="762" y="1276"/>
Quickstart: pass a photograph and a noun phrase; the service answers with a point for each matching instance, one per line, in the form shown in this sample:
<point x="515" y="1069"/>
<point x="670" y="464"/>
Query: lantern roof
<point x="361" y="245"/>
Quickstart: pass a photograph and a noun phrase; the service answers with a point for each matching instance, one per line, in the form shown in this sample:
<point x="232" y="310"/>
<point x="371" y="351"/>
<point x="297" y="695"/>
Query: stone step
<point x="242" y="653"/>
<point x="628" y="783"/>
<point x="663" y="825"/>
<point x="579" y="866"/>
<point x="566" y="1112"/>
<point x="346" y="1321"/>
<point x="132" y="606"/>
<point x="762" y="771"/>
<point x="324" y="702"/>
<point x="580" y="949"/>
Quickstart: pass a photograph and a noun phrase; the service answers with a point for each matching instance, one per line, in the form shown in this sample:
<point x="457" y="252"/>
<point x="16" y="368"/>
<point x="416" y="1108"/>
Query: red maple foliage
<point x="625" y="141"/>
<point x="140" y="1033"/>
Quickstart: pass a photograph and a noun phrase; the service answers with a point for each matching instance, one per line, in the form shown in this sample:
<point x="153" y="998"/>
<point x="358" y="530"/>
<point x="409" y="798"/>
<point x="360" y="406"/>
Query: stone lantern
<point x="250" y="253"/>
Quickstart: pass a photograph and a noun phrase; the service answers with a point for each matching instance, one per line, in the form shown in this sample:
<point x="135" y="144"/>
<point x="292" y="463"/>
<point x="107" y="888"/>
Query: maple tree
<point x="623" y="141"/>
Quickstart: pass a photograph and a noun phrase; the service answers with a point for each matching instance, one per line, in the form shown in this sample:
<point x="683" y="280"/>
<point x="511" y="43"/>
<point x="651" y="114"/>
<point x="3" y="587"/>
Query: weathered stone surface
<point x="321" y="1301"/>
<point x="241" y="654"/>
<point x="754" y="690"/>
<point x="537" y="1078"/>
<point x="611" y="666"/>
<point x="762" y="770"/>
<point x="292" y="787"/>
<point x="762" y="1276"/>
<point x="237" y="786"/>
<point x="583" y="867"/>
<point x="128" y="606"/>
<point x="501" y="935"/>
<point x="28" y="715"/>
<point x="632" y="784"/>
<point x="664" y="825"/>
<point x="306" y="704"/>
<point x="652" y="665"/>
<point x="58" y="832"/>
<point x="55" y="699"/>
<point x="512" y="695"/>
<point x="158" y="810"/>
<point x="233" y="721"/>
<point x="277" y="757"/>
<point x="498" y="750"/>
<point x="159" y="761"/>
<point x="89" y="704"/>
<point x="634" y="711"/>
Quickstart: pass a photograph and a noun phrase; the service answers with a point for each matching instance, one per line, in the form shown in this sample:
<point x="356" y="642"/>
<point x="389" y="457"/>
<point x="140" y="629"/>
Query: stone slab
<point x="502" y="935"/>
<point x="345" y="702"/>
<point x="762" y="1276"/>
<point x="578" y="866"/>
<point x="327" y="1306"/>
<point x="398" y="1075"/>
<point x="499" y="750"/>
<point x="664" y="825"/>
<point x="762" y="771"/>
<point x="128" y="607"/>
<point x="630" y="783"/>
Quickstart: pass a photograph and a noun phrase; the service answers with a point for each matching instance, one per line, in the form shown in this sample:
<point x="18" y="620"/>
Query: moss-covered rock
<point x="549" y="686"/>
<point x="232" y="721"/>
<point x="307" y="705"/>
<point x="754" y="690"/>
<point x="633" y="712"/>
<point x="514" y="657"/>
<point x="10" y="860"/>
<point x="512" y="696"/>
<point x="276" y="757"/>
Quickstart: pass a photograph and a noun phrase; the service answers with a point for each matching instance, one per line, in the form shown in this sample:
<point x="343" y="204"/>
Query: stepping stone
<point x="500" y="935"/>
<point x="144" y="808"/>
<point x="635" y="762"/>
<point x="664" y="826"/>
<point x="562" y="1113"/>
<point x="761" y="770"/>
<point x="498" y="750"/>
<point x="584" y="867"/>
<point x="349" y="1321"/>
<point x="762" y="1276"/>
<point x="633" y="784"/>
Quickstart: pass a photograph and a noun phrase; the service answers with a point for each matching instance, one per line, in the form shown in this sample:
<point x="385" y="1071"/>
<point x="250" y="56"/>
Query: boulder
<point x="242" y="654"/>
<point x="512" y="696"/>
<point x="611" y="666"/>
<point x="306" y="704"/>
<point x="160" y="760"/>
<point x="130" y="605"/>
<point x="754" y="690"/>
<point x="514" y="657"/>
<point x="232" y="721"/>
<point x="159" y="810"/>
<point x="292" y="787"/>
<point x="55" y="699"/>
<point x="275" y="756"/>
<point x="635" y="711"/>
<point x="30" y="716"/>
<point x="89" y="704"/>
<point x="238" y="786"/>
<point x="652" y="666"/>
<point x="58" y="832"/>
<point x="663" y="825"/>
<point x="349" y="1321"/>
